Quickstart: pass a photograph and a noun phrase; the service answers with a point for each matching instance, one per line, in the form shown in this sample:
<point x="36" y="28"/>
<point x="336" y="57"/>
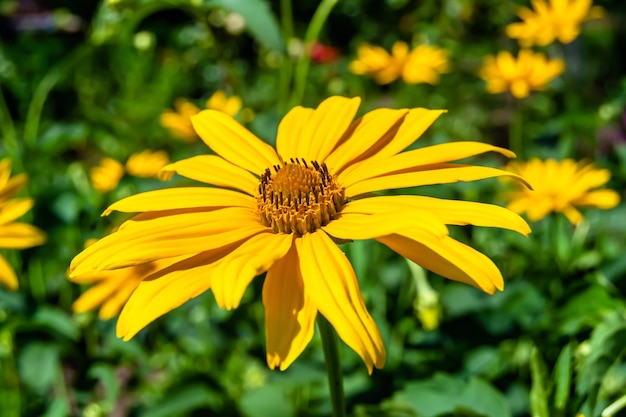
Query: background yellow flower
<point x="552" y="20"/>
<point x="421" y="65"/>
<point x="146" y="164"/>
<point x="105" y="176"/>
<point x="530" y="71"/>
<point x="560" y="187"/>
<point x="14" y="235"/>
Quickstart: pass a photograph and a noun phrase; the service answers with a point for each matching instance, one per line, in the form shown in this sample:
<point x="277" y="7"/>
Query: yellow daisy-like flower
<point x="421" y="65"/>
<point x="221" y="102"/>
<point x="110" y="290"/>
<point x="560" y="187"/>
<point x="552" y="20"/>
<point x="282" y="211"/>
<point x="14" y="235"/>
<point x="179" y="122"/>
<point x="530" y="71"/>
<point x="106" y="175"/>
<point x="146" y="164"/>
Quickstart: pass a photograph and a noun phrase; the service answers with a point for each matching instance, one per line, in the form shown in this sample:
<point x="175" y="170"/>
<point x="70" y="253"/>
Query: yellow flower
<point x="146" y="164"/>
<point x="110" y="290"/>
<point x="178" y="122"/>
<point x="221" y="102"/>
<point x="107" y="175"/>
<point x="422" y="65"/>
<point x="281" y="212"/>
<point x="552" y="20"/>
<point x="560" y="187"/>
<point x="531" y="71"/>
<point x="14" y="235"/>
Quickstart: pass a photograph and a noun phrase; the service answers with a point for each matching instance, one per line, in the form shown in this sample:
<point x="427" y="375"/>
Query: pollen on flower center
<point x="298" y="197"/>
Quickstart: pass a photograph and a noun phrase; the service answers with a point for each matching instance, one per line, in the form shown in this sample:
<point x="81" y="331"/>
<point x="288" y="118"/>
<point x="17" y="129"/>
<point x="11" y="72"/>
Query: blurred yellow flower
<point x="178" y="122"/>
<point x="146" y="164"/>
<point x="530" y="71"/>
<point x="221" y="102"/>
<point x="106" y="175"/>
<point x="111" y="289"/>
<point x="552" y="20"/>
<point x="14" y="235"/>
<point x="560" y="187"/>
<point x="422" y="65"/>
<point x="282" y="211"/>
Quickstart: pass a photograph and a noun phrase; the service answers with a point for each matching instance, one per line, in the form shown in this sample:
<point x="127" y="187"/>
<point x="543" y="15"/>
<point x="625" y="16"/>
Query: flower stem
<point x="7" y="129"/>
<point x="312" y="34"/>
<point x="286" y="67"/>
<point x="333" y="366"/>
<point x="516" y="134"/>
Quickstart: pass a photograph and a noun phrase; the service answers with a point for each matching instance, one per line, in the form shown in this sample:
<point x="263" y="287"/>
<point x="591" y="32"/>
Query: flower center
<point x="298" y="197"/>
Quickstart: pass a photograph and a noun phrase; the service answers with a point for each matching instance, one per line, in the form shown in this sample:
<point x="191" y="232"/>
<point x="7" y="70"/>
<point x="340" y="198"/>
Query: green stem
<point x="286" y="67"/>
<point x="33" y="117"/>
<point x="333" y="366"/>
<point x="312" y="34"/>
<point x="516" y="131"/>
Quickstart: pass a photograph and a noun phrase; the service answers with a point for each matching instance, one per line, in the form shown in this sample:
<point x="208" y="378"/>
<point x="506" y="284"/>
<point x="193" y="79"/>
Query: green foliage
<point x="551" y="345"/>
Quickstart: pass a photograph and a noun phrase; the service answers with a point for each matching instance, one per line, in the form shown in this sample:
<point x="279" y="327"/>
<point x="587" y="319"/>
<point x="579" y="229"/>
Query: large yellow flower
<point x="421" y="65"/>
<point x="530" y="71"/>
<point x="14" y="235"/>
<point x="283" y="211"/>
<point x="560" y="187"/>
<point x="146" y="164"/>
<point x="552" y="20"/>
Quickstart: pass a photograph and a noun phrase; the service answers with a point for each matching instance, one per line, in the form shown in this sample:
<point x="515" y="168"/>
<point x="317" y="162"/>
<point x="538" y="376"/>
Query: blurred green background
<point x="85" y="80"/>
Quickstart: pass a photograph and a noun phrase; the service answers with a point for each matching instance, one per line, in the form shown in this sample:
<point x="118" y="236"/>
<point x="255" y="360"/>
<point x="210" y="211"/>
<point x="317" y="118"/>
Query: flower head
<point x="281" y="211"/>
<point x="106" y="175"/>
<point x="552" y="20"/>
<point x="178" y="122"/>
<point x="421" y="65"/>
<point x="560" y="187"/>
<point x="146" y="164"/>
<point x="14" y="235"/>
<point x="530" y="71"/>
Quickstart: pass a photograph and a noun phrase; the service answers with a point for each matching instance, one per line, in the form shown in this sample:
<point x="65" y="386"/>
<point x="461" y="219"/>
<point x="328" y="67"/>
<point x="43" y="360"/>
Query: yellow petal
<point x="181" y="198"/>
<point x="369" y="130"/>
<point x="447" y="211"/>
<point x="604" y="199"/>
<point x="233" y="142"/>
<point x="139" y="242"/>
<point x="289" y="312"/>
<point x="93" y="297"/>
<point x="360" y="226"/>
<point x="573" y="215"/>
<point x="448" y="258"/>
<point x="13" y="186"/>
<point x="255" y="256"/>
<point x="168" y="289"/>
<point x="20" y="236"/>
<point x="326" y="126"/>
<point x="8" y="279"/>
<point x="214" y="170"/>
<point x="14" y="209"/>
<point x="436" y="154"/>
<point x="289" y="137"/>
<point x="436" y="174"/>
<point x="334" y="289"/>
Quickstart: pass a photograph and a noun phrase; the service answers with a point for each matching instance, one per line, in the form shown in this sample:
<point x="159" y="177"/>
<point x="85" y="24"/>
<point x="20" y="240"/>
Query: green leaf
<point x="563" y="377"/>
<point x="483" y="399"/>
<point x="260" y="20"/>
<point x="38" y="365"/>
<point x="182" y="402"/>
<point x="539" y="391"/>
<point x="58" y="321"/>
<point x="105" y="373"/>
<point x="269" y="400"/>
